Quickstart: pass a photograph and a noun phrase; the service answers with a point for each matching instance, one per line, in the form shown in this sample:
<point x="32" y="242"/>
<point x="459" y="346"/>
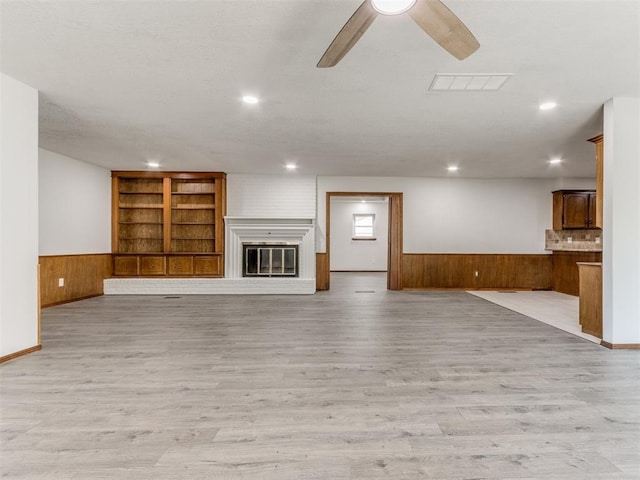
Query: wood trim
<point x="322" y="271"/>
<point x="21" y="353"/>
<point x="395" y="261"/>
<point x="84" y="275"/>
<point x="115" y="214"/>
<point x="62" y="302"/>
<point x="598" y="140"/>
<point x="220" y="202"/>
<point x="39" y="309"/>
<point x="164" y="173"/>
<point x="394" y="258"/>
<point x="166" y="214"/>
<point x="620" y="346"/>
<point x="458" y="271"/>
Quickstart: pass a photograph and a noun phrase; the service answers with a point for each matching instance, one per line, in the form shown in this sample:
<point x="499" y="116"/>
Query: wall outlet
<point x="476" y="273"/>
<point x="597" y="240"/>
<point x="569" y="240"/>
<point x="61" y="282"/>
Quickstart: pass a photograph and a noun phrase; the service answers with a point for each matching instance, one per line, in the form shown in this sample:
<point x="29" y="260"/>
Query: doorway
<point x="393" y="238"/>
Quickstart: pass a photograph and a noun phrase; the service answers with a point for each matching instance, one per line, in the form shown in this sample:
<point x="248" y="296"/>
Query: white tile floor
<point x="553" y="308"/>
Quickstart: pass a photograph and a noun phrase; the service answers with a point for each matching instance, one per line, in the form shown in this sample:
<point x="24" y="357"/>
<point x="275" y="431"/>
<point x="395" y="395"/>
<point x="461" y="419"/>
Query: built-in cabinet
<point x="591" y="297"/>
<point x="574" y="209"/>
<point x="168" y="223"/>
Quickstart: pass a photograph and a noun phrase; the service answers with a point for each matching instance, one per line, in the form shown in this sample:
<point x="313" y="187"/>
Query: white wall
<point x="357" y="255"/>
<point x="271" y="196"/>
<point x="458" y="215"/>
<point x="621" y="222"/>
<point x="75" y="206"/>
<point x="18" y="216"/>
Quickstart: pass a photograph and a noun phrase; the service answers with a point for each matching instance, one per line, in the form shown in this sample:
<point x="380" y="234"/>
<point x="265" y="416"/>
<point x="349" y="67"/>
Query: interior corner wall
<point x="621" y="222"/>
<point x="271" y="196"/>
<point x="75" y="206"/>
<point x="18" y="216"/>
<point x="461" y="215"/>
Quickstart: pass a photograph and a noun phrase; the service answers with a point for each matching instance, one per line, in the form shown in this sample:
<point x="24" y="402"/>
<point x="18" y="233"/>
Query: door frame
<point x="394" y="239"/>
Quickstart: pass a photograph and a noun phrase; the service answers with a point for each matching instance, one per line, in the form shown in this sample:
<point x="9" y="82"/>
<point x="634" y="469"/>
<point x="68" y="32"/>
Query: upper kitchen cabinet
<point x="574" y="209"/>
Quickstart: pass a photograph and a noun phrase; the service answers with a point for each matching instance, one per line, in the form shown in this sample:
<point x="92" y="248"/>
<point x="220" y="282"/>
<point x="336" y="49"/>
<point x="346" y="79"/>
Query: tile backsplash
<point x="581" y="240"/>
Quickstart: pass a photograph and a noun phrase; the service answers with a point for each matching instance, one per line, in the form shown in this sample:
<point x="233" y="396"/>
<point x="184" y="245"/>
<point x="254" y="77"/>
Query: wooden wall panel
<point x="83" y="276"/>
<point x="394" y="267"/>
<point x="495" y="271"/>
<point x="591" y="298"/>
<point x="565" y="270"/>
<point x="322" y="271"/>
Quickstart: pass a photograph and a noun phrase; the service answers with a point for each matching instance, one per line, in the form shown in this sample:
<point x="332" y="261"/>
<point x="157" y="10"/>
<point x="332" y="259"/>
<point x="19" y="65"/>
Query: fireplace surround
<point x="271" y="233"/>
<point x="239" y="231"/>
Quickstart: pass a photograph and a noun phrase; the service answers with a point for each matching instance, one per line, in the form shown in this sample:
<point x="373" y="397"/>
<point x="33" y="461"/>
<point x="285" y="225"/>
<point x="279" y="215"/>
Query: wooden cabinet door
<point x="125" y="265"/>
<point x="208" y="265"/>
<point x="575" y="210"/>
<point x="152" y="265"/>
<point x="593" y="203"/>
<point x="180" y="265"/>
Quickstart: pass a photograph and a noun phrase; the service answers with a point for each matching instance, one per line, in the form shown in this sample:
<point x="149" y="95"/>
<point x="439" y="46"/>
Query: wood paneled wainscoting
<point x="476" y="271"/>
<point x="565" y="270"/>
<point x="322" y="271"/>
<point x="82" y="274"/>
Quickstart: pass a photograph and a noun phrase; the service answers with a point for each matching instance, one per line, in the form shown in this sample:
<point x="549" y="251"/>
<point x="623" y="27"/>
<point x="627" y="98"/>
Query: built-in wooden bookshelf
<point x="168" y="223"/>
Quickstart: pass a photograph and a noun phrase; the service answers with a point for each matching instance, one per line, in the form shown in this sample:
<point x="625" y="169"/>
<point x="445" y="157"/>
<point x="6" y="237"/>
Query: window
<point x="363" y="226"/>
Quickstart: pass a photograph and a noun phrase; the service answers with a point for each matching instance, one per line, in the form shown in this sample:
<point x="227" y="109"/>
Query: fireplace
<point x="270" y="260"/>
<point x="281" y="251"/>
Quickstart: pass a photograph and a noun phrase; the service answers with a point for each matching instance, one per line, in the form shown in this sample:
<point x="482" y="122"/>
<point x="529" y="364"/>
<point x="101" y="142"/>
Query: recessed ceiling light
<point x="291" y="166"/>
<point x="555" y="161"/>
<point x="152" y="164"/>
<point x="392" y="7"/>
<point x="548" y="106"/>
<point x="452" y="168"/>
<point x="250" y="99"/>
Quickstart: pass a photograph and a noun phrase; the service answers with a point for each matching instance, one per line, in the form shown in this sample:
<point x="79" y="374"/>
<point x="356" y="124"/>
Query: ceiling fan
<point x="430" y="15"/>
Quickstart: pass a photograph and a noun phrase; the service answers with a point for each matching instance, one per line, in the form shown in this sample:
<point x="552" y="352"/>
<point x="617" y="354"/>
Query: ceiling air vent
<point x="469" y="81"/>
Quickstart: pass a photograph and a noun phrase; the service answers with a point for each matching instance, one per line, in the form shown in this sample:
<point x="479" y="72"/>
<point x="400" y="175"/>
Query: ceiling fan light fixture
<point x="392" y="7"/>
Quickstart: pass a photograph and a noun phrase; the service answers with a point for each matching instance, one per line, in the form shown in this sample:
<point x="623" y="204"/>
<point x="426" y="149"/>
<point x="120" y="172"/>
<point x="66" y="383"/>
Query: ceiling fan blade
<point x="349" y="35"/>
<point x="444" y="27"/>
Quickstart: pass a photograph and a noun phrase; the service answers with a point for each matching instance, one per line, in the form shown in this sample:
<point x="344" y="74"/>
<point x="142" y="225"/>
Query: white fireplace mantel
<point x="297" y="231"/>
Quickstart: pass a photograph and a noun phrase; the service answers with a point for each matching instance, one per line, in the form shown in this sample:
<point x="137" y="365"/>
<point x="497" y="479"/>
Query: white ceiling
<point x="126" y="81"/>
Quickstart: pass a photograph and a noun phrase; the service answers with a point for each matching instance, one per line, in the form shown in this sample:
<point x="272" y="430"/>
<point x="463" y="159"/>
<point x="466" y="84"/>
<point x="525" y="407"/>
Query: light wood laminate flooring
<point x="355" y="383"/>
<point x="553" y="308"/>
